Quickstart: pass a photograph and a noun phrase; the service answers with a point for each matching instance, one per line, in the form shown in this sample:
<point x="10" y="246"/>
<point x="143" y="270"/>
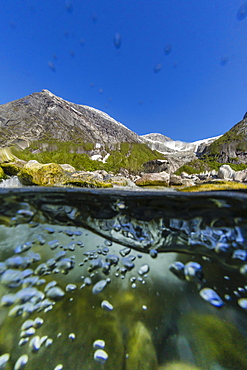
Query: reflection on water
<point x="94" y="279"/>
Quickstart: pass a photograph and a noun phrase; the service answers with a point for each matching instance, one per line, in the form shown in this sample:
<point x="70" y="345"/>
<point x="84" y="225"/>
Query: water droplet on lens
<point x="211" y="296"/>
<point x="3" y="360"/>
<point x="157" y="68"/>
<point x="100" y="356"/>
<point x="117" y="40"/>
<point x="107" y="306"/>
<point x="21" y="362"/>
<point x="167" y="49"/>
<point x="242" y="12"/>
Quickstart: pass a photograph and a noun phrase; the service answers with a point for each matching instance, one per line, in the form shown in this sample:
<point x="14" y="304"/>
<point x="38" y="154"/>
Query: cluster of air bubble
<point x="173" y="234"/>
<point x="27" y="292"/>
<point x="193" y="272"/>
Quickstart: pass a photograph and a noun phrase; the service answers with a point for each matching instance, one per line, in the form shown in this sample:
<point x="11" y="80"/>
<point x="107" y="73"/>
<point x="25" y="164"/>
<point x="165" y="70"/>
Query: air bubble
<point x="153" y="253"/>
<point x="3" y="360"/>
<point x="7" y="300"/>
<point x="144" y="269"/>
<point x="55" y="293"/>
<point x="21" y="362"/>
<point x="71" y="336"/>
<point x="70" y="287"/>
<point x="38" y="322"/>
<point x="212" y="297"/>
<point x="100" y="356"/>
<point x="177" y="268"/>
<point x="27" y="324"/>
<point x="99" y="286"/>
<point x="124" y="252"/>
<point x="35" y="344"/>
<point x="99" y="344"/>
<point x="242" y="302"/>
<point x="58" y="367"/>
<point x="23" y="248"/>
<point x="107" y="306"/>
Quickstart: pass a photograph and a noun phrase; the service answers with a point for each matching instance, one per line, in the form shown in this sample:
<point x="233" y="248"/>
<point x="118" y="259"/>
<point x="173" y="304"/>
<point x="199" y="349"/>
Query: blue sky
<point x="171" y="66"/>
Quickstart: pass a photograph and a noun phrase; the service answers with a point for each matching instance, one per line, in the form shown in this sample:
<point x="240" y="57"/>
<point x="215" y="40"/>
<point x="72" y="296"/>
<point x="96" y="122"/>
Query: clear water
<point x="106" y="279"/>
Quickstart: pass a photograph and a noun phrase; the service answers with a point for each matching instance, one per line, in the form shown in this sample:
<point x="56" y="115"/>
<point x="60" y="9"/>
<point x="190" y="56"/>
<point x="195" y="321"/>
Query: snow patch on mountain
<point x="166" y="145"/>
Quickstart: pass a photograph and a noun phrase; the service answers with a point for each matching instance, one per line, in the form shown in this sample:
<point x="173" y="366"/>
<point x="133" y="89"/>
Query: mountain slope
<point x="44" y="116"/>
<point x="230" y="147"/>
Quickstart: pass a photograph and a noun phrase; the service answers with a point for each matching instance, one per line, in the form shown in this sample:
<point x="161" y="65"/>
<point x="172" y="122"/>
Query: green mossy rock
<point x="34" y="173"/>
<point x="13" y="168"/>
<point x="85" y="179"/>
<point x="215" y="186"/>
<point x="2" y="174"/>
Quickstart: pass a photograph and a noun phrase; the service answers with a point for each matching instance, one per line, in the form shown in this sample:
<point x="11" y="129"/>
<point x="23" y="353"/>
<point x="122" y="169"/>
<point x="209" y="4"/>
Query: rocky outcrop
<point x="156" y="165"/>
<point x="43" y="115"/>
<point x="230" y="147"/>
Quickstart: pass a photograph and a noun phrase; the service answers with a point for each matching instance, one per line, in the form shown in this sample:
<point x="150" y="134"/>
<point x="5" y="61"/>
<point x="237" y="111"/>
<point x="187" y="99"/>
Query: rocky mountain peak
<point x="43" y="115"/>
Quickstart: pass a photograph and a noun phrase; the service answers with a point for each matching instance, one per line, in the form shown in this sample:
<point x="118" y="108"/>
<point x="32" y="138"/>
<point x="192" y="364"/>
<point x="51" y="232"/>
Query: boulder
<point x="156" y="165"/>
<point x="85" y="179"/>
<point x="226" y="172"/>
<point x="176" y="180"/>
<point x="53" y="174"/>
<point x="240" y="176"/>
<point x="118" y="180"/>
<point x="35" y="173"/>
<point x="2" y="174"/>
<point x="154" y="179"/>
<point x="13" y="168"/>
